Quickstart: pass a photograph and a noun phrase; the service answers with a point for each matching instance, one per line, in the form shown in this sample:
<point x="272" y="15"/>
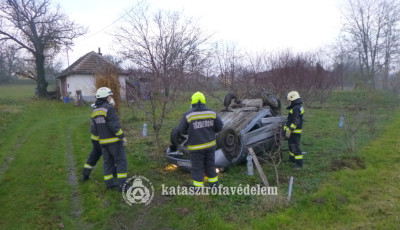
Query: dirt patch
<point x="319" y="200"/>
<point x="352" y="162"/>
<point x="183" y="211"/>
<point x="341" y="199"/>
<point x="10" y="158"/>
<point x="77" y="209"/>
<point x="141" y="220"/>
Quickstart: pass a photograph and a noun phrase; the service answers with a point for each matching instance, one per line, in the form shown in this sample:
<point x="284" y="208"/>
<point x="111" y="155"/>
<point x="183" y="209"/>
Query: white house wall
<point x="86" y="83"/>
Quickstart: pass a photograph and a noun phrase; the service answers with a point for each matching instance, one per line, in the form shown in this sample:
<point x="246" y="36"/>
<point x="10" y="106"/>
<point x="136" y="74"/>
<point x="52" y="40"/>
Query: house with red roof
<point x="79" y="78"/>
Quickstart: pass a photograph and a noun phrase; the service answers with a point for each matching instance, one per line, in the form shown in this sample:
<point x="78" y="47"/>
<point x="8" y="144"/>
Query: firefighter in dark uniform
<point x="201" y="124"/>
<point x="293" y="128"/>
<point x="111" y="138"/>
<point x="95" y="153"/>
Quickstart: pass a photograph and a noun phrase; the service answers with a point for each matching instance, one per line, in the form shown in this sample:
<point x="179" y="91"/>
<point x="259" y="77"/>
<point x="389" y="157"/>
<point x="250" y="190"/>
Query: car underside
<point x="254" y="123"/>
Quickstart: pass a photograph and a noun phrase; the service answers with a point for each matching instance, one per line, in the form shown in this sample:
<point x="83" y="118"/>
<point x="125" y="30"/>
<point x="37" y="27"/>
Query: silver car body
<point x="247" y="124"/>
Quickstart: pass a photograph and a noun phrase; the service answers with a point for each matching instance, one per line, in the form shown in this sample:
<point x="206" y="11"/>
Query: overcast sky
<point x="255" y="25"/>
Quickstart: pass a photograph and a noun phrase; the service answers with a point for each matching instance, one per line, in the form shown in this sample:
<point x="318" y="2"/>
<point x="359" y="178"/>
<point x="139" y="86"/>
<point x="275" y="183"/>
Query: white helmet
<point x="293" y="96"/>
<point x="103" y="92"/>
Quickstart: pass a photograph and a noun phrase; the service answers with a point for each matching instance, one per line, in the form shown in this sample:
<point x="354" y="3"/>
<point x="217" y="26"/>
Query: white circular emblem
<point x="140" y="191"/>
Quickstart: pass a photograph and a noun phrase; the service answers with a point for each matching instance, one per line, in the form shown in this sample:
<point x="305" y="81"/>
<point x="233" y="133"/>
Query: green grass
<point x="44" y="145"/>
<point x="362" y="198"/>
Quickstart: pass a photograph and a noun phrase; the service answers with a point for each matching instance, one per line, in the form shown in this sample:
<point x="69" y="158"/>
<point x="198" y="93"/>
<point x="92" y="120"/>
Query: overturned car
<point x="255" y="123"/>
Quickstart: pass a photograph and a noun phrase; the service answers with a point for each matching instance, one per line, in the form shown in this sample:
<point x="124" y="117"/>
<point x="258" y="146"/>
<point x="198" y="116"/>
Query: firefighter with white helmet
<point x="112" y="139"/>
<point x="201" y="124"/>
<point x="293" y="128"/>
<point x="95" y="152"/>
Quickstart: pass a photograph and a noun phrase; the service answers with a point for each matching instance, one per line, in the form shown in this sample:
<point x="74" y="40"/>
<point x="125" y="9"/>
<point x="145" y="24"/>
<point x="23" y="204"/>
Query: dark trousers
<point x="203" y="161"/>
<point x="295" y="152"/>
<point x="114" y="161"/>
<point x="94" y="156"/>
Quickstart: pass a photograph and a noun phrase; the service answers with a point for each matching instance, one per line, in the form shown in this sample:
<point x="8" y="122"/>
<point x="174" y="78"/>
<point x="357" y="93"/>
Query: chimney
<point x="100" y="52"/>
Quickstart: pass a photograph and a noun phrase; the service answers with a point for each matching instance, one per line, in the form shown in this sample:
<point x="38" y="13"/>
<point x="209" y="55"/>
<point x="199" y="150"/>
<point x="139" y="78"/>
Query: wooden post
<point x="259" y="169"/>
<point x="78" y="98"/>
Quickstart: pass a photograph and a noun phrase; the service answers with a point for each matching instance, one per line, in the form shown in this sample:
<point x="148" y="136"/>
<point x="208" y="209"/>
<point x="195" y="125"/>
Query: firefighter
<point x="111" y="138"/>
<point x="95" y="153"/>
<point x="293" y="128"/>
<point x="201" y="124"/>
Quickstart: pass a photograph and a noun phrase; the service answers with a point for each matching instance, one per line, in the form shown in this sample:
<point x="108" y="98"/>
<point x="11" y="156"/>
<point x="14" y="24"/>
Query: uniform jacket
<point x="201" y="124"/>
<point x="104" y="122"/>
<point x="93" y="130"/>
<point x="295" y="118"/>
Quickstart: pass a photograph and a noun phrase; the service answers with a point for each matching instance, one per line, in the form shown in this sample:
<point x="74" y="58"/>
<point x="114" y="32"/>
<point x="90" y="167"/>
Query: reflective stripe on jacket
<point x="201" y="124"/>
<point x="94" y="135"/>
<point x="295" y="117"/>
<point x="105" y="123"/>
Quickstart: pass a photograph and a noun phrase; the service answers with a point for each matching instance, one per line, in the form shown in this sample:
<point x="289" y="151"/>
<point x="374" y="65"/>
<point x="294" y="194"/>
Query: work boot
<point x="112" y="188"/>
<point x="196" y="189"/>
<point x="213" y="184"/>
<point x="85" y="174"/>
<point x="298" y="164"/>
<point x="291" y="159"/>
<point x="84" y="178"/>
<point x="296" y="167"/>
<point x="127" y="187"/>
<point x="121" y="182"/>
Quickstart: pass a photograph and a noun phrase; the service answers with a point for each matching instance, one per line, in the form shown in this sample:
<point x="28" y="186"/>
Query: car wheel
<point x="228" y="99"/>
<point x="277" y="111"/>
<point x="231" y="145"/>
<point x="176" y="137"/>
<point x="270" y="100"/>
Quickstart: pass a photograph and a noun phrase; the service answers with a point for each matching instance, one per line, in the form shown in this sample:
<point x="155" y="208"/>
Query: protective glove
<point x="112" y="102"/>
<point x="288" y="133"/>
<point x="124" y="141"/>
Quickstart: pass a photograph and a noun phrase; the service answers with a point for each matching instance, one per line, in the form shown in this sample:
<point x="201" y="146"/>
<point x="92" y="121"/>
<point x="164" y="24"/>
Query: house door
<point x="64" y="87"/>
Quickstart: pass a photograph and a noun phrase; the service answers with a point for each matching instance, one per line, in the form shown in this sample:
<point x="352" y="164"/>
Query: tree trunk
<point x="41" y="76"/>
<point x="385" y="77"/>
<point x="158" y="140"/>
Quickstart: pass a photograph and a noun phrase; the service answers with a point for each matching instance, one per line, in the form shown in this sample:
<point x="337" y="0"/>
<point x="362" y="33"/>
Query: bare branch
<point x="166" y="49"/>
<point x="38" y="28"/>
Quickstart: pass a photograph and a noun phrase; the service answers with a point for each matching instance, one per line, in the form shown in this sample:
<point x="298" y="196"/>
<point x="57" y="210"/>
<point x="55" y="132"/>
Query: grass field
<point x="44" y="144"/>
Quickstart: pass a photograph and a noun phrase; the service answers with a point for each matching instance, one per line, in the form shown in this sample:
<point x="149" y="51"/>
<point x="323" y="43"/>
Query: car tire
<point x="277" y="111"/>
<point x="176" y="137"/>
<point x="270" y="100"/>
<point x="228" y="99"/>
<point x="231" y="144"/>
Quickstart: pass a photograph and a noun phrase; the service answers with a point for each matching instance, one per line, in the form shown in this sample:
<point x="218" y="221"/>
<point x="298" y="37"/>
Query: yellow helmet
<point x="196" y="97"/>
<point x="293" y="96"/>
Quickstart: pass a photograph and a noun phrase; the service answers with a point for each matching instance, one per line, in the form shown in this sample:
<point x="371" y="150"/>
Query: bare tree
<point x="8" y="61"/>
<point x="301" y="72"/>
<point x="167" y="49"/>
<point x="117" y="61"/>
<point x="229" y="60"/>
<point x="341" y="60"/>
<point x="40" y="29"/>
<point x="391" y="38"/>
<point x="273" y="156"/>
<point x="371" y="30"/>
<point x="234" y="71"/>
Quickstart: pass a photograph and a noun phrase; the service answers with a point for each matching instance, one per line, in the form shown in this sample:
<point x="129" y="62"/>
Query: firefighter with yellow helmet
<point x="201" y="124"/>
<point x="293" y="128"/>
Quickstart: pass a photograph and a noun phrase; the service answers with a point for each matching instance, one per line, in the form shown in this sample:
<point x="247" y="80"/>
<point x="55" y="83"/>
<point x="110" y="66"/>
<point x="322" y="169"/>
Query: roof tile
<point x="88" y="64"/>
